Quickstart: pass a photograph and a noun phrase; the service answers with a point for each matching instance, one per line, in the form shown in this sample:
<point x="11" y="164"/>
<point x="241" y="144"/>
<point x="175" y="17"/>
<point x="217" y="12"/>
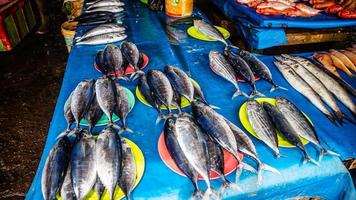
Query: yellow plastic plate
<point x="140" y="168"/>
<point x="184" y="101"/>
<point x="282" y="142"/>
<point x="193" y="32"/>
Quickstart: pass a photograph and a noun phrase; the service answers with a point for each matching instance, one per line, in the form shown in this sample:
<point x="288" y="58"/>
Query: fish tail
<point x="197" y="194"/>
<point x="65" y="134"/>
<point x="348" y="118"/>
<point x="277" y="87"/>
<point x="339" y="117"/>
<point x="309" y="159"/>
<point x="255" y="93"/>
<point x="214" y="107"/>
<point x="160" y="117"/>
<point x="210" y="193"/>
<point x="229" y="184"/>
<point x="325" y="151"/>
<point x="228" y="46"/>
<point x="264" y="167"/>
<point x="238" y="93"/>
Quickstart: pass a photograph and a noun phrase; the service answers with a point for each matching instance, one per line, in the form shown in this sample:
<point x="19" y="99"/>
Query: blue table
<point x="330" y="180"/>
<point x="268" y="31"/>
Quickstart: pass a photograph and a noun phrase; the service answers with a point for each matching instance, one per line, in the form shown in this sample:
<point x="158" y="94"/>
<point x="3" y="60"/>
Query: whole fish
<point x="286" y="129"/>
<point x="177" y="100"/>
<point x="100" y="63"/>
<point x="300" y="123"/>
<point x="102" y="29"/>
<point x="325" y="59"/>
<point x="262" y="125"/>
<point x="180" y="81"/>
<point x="131" y="53"/>
<point x="209" y="31"/>
<point x="122" y="106"/>
<point x="106" y="96"/>
<point x="108" y="158"/>
<point x="113" y="9"/>
<point x="191" y="140"/>
<point x="113" y="57"/>
<point x="350" y="55"/>
<point x="83" y="164"/>
<point x="99" y="187"/>
<point x="331" y="84"/>
<point x="105" y="3"/>
<point x="242" y="68"/>
<point x="94" y="113"/>
<point x="94" y="15"/>
<point x="55" y="168"/>
<point x="67" y="191"/>
<point x="339" y="64"/>
<point x="102" y="39"/>
<point x="161" y="87"/>
<point x="178" y="156"/>
<point x="148" y="95"/>
<point x="100" y="21"/>
<point x="344" y="59"/>
<point x="128" y="175"/>
<point x="68" y="115"/>
<point x="302" y="87"/>
<point x="314" y="83"/>
<point x="221" y="67"/>
<point x="275" y="5"/>
<point x="259" y="68"/>
<point x="307" y="9"/>
<point x="82" y="96"/>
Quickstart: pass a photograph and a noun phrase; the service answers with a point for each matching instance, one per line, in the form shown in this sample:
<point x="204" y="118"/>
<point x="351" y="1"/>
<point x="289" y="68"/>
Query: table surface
<point x="145" y="28"/>
<point x="237" y="11"/>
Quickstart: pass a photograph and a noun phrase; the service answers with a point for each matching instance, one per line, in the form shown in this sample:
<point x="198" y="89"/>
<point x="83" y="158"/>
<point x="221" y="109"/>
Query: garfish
<point x="300" y="123"/>
<point x="259" y="68"/>
<point x="122" y="106"/>
<point x="93" y="114"/>
<point x="102" y="39"/>
<point x="287" y="130"/>
<point x="178" y="156"/>
<point x="262" y="125"/>
<point x="331" y="84"/>
<point x="55" y="168"/>
<point x="242" y="68"/>
<point x="339" y="64"/>
<point x="83" y="164"/>
<point x="350" y="55"/>
<point x="67" y="191"/>
<point x="99" y="187"/>
<point x="68" y="115"/>
<point x="113" y="9"/>
<point x="131" y="53"/>
<point x="108" y="158"/>
<point x="106" y="96"/>
<point x="302" y="87"/>
<point x="113" y="58"/>
<point x="128" y="175"/>
<point x="314" y="83"/>
<point x="221" y="67"/>
<point x="209" y="31"/>
<point x="82" y="96"/>
<point x="161" y="87"/>
<point x="180" y="81"/>
<point x="102" y="29"/>
<point x="325" y="59"/>
<point x="344" y="59"/>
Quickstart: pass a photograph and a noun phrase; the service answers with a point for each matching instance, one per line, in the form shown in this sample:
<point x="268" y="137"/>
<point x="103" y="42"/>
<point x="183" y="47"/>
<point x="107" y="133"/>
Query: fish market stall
<point x="267" y="31"/>
<point x="156" y="175"/>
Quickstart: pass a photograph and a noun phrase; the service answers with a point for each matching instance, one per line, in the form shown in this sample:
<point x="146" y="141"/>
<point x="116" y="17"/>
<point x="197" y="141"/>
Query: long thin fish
<point x="128" y="175"/>
<point x="209" y="31"/>
<point x="102" y="29"/>
<point x="102" y="39"/>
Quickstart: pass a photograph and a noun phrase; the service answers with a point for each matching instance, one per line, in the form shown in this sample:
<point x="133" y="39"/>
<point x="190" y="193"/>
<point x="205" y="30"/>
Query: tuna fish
<point x="94" y="114"/>
<point x="180" y="81"/>
<point x="67" y="191"/>
<point x="102" y="29"/>
<point x="122" y="108"/>
<point x="209" y="31"/>
<point x="221" y="67"/>
<point x="55" y="168"/>
<point x="83" y="164"/>
<point x="113" y="57"/>
<point x="131" y="53"/>
<point x="128" y="175"/>
<point x="106" y="96"/>
<point x="68" y="115"/>
<point x="287" y="130"/>
<point x="161" y="87"/>
<point x="100" y="63"/>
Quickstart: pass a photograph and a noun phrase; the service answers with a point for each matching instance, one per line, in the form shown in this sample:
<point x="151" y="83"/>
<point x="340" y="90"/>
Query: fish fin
<point x="124" y="78"/>
<point x="197" y="194"/>
<point x="214" y="107"/>
<point x="255" y="93"/>
<point x="227" y="47"/>
<point x="126" y="129"/>
<point x="229" y="184"/>
<point x="65" y="133"/>
<point x="238" y="93"/>
<point x="264" y="167"/>
<point x="133" y="76"/>
<point x="348" y="118"/>
<point x="210" y="193"/>
<point x="276" y="87"/>
<point x="248" y="167"/>
<point x="309" y="159"/>
<point x="339" y="117"/>
<point x="325" y="151"/>
<point x="159" y="118"/>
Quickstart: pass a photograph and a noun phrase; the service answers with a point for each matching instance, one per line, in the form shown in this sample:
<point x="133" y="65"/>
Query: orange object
<point x="179" y="8"/>
<point x="325" y="59"/>
<point x="351" y="14"/>
<point x="324" y="5"/>
<point x="338" y="63"/>
<point x="334" y="9"/>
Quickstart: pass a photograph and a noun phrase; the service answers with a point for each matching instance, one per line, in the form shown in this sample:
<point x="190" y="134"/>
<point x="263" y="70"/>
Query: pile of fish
<point x="90" y="99"/>
<point x="196" y="143"/>
<point x="316" y="85"/>
<point x="333" y="7"/>
<point x="345" y="60"/>
<point x="281" y="7"/>
<point x="166" y="88"/>
<point x="74" y="168"/>
<point x="244" y="64"/>
<point x="114" y="60"/>
<point x="290" y="122"/>
<point x="107" y="16"/>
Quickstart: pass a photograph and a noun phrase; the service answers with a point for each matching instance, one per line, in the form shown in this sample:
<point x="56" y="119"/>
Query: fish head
<point x="169" y="124"/>
<point x="198" y="22"/>
<point x="198" y="108"/>
<point x="168" y="68"/>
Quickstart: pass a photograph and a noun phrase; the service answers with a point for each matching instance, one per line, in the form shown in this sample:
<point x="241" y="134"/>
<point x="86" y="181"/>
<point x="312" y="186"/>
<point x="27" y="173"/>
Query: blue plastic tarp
<point x="330" y="180"/>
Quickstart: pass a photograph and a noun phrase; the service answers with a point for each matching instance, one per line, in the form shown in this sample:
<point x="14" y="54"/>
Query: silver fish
<point x="93" y="114"/>
<point x="262" y="125"/>
<point x="180" y="81"/>
<point x="128" y="175"/>
<point x="209" y="31"/>
<point x="105" y="3"/>
<point x="122" y="105"/>
<point x="67" y="191"/>
<point x="131" y="53"/>
<point x="330" y="84"/>
<point x="105" y="95"/>
<point x="83" y="164"/>
<point x="82" y="96"/>
<point x="161" y="87"/>
<point x="102" y="29"/>
<point x="102" y="39"/>
<point x="303" y="87"/>
<point x="300" y="123"/>
<point x="221" y="67"/>
<point x="113" y="57"/>
<point x="55" y="168"/>
<point x="108" y="158"/>
<point x="315" y="84"/>
<point x="68" y="115"/>
<point x="113" y="9"/>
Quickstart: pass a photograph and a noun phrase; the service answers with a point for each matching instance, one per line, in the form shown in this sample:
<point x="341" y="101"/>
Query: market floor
<point x="30" y="82"/>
